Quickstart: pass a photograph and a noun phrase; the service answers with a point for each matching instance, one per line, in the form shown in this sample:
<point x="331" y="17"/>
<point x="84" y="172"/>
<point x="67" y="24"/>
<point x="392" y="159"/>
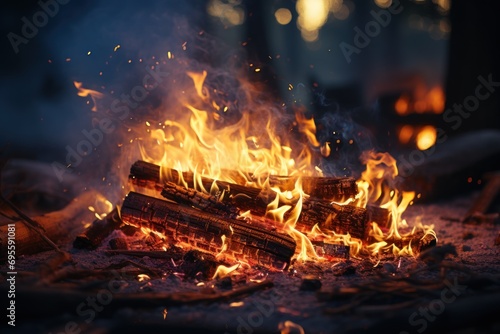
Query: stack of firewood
<point x="212" y="223"/>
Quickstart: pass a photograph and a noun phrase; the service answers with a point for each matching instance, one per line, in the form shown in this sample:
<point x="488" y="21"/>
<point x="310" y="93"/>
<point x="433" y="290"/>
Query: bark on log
<point x="98" y="231"/>
<point x="337" y="189"/>
<point x="340" y="219"/>
<point x="145" y="174"/>
<point x="58" y="226"/>
<point x="201" y="230"/>
<point x="379" y="215"/>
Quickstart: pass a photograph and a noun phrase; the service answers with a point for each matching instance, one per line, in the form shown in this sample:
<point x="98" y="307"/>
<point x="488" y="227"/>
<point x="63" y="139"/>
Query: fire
<point x="247" y="139"/>
<point x="84" y="92"/>
<point x="289" y="327"/>
<point x="378" y="182"/>
<point x="223" y="271"/>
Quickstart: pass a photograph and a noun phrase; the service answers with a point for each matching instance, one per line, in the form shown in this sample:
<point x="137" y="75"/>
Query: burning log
<point x="147" y="175"/>
<point x="203" y="230"/>
<point x="98" y="231"/>
<point x="332" y="250"/>
<point x="336" y="189"/>
<point x="333" y="217"/>
<point x="192" y="197"/>
<point x="379" y="215"/>
<point x="341" y="219"/>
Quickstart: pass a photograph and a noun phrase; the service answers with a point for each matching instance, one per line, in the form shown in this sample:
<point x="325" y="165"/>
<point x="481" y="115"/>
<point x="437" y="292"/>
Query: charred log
<point x="202" y="230"/>
<point x="148" y="175"/>
<point x="328" y="188"/>
<point x="379" y="215"/>
<point x="98" y="231"/>
<point x="340" y="219"/>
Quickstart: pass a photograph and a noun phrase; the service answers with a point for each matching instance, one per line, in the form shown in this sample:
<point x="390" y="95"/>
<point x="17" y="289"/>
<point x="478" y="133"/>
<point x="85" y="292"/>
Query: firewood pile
<point x="154" y="264"/>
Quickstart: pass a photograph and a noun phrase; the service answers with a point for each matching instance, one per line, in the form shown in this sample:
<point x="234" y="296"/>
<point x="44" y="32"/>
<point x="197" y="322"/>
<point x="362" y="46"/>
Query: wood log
<point x="331" y="250"/>
<point x="340" y="219"/>
<point x="379" y="215"/>
<point x="244" y="240"/>
<point x="198" y="199"/>
<point x="337" y="189"/>
<point x="145" y="174"/>
<point x="58" y="226"/>
<point x="98" y="231"/>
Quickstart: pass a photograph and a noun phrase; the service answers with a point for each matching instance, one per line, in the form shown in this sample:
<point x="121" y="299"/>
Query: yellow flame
<point x="143" y="277"/>
<point x="223" y="271"/>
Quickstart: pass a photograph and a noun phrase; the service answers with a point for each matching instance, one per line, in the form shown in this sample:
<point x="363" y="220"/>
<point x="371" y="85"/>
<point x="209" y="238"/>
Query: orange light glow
<point x="405" y="134"/>
<point x="423" y="100"/>
<point x="426" y="137"/>
<point x="289" y="327"/>
<point x="402" y="105"/>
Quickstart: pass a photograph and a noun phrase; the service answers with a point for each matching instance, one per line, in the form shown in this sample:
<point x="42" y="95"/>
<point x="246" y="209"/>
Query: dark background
<point x="426" y="44"/>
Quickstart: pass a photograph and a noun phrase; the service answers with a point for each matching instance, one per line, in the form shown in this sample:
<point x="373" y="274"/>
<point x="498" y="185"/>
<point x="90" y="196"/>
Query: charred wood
<point x="336" y="189"/>
<point x="98" y="231"/>
<point x="202" y="230"/>
<point x="148" y="175"/>
<point x="333" y="217"/>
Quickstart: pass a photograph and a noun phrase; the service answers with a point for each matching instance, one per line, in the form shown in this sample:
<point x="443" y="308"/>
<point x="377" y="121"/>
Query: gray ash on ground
<point x="314" y="308"/>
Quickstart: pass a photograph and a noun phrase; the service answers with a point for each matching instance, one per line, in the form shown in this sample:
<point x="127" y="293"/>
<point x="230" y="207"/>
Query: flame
<point x="223" y="271"/>
<point x="402" y="105"/>
<point x="378" y="184"/>
<point x="289" y="327"/>
<point x="254" y="149"/>
<point x="84" y="92"/>
<point x="207" y="134"/>
<point x="101" y="208"/>
<point x="143" y="277"/>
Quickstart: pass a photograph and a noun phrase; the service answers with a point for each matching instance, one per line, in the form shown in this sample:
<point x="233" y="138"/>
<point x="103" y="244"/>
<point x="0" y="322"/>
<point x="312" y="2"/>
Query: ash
<point x="453" y="287"/>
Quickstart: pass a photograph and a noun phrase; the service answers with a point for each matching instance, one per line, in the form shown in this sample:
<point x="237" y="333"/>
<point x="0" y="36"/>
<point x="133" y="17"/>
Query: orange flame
<point x="254" y="148"/>
<point x="84" y="92"/>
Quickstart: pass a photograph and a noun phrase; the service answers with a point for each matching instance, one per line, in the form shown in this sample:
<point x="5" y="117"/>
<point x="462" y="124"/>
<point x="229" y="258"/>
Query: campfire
<point x="248" y="193"/>
<point x="201" y="202"/>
